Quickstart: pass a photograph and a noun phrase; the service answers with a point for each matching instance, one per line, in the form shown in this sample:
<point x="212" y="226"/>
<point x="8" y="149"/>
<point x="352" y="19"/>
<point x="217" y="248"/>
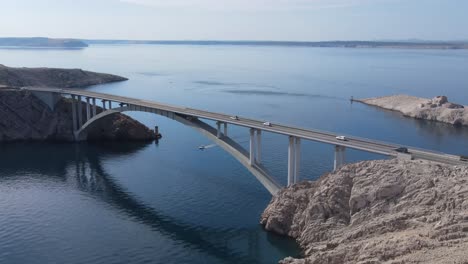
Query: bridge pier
<point x="297" y="159"/>
<point x="259" y="146"/>
<point x="74" y="113"/>
<point x="88" y="109"/>
<point x="252" y="147"/>
<point x="291" y="162"/>
<point x="219" y="134"/>
<point x="339" y="157"/>
<point x="110" y="105"/>
<point x="94" y="107"/>
<point x="103" y="105"/>
<point x="294" y="159"/>
<point x="218" y="124"/>
<point x="255" y="146"/>
<point x="80" y="111"/>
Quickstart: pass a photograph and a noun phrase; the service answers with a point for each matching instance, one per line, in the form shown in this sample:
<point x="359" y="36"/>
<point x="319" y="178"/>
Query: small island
<point x="436" y="109"/>
<point x="24" y="117"/>
<point x="42" y="43"/>
<point x="383" y="211"/>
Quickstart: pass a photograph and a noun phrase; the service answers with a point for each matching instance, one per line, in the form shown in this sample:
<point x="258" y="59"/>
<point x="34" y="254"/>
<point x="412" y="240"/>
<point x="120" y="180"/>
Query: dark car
<point x="463" y="158"/>
<point x="402" y="150"/>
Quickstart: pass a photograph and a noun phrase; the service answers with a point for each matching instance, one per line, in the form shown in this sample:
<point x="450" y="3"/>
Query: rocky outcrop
<point x="436" y="109"/>
<point x="52" y="77"/>
<point x="25" y="117"/>
<point x="388" y="211"/>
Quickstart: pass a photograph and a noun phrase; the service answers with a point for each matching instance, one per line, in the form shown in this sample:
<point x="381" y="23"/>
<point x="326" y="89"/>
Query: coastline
<point x="437" y="109"/>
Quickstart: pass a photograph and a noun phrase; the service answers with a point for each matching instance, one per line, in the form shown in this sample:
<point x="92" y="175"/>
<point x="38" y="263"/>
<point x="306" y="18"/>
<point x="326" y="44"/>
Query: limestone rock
<point x="437" y="109"/>
<point x="387" y="211"/>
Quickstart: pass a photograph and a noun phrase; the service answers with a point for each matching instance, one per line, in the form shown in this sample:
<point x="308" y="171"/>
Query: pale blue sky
<point x="308" y="20"/>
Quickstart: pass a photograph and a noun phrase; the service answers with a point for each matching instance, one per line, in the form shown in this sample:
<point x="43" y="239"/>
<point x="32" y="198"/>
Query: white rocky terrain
<point x="385" y="211"/>
<point x="436" y="109"/>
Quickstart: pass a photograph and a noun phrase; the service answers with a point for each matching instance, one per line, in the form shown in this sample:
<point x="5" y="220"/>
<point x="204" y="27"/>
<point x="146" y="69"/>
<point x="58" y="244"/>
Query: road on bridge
<point x="363" y="144"/>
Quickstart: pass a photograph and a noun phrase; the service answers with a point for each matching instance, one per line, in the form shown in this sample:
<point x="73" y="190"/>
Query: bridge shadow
<point x="91" y="177"/>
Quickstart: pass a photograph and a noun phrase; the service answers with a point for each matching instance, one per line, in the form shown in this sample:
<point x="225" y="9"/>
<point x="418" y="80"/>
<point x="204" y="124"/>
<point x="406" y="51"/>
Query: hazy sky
<point x="236" y="19"/>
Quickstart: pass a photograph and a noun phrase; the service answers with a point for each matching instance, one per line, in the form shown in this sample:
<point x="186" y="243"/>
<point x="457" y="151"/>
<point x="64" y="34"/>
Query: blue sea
<point x="169" y="202"/>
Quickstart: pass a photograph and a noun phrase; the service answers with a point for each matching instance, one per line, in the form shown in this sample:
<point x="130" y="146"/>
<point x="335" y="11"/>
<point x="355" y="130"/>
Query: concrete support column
<point x="252" y="146"/>
<point x="336" y="162"/>
<point x="297" y="159"/>
<point x="291" y="160"/>
<point x="88" y="109"/>
<point x="74" y="113"/>
<point x="339" y="157"/>
<point x="103" y="105"/>
<point x="225" y="129"/>
<point x="110" y="105"/>
<point x="218" y="124"/>
<point x="80" y="112"/>
<point x="94" y="107"/>
<point x="343" y="156"/>
<point x="259" y="146"/>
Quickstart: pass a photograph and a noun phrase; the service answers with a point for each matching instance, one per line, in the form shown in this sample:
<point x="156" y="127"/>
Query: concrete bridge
<point x="252" y="158"/>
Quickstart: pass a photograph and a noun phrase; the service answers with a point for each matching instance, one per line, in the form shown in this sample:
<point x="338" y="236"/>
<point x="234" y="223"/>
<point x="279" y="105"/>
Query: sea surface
<point x="173" y="203"/>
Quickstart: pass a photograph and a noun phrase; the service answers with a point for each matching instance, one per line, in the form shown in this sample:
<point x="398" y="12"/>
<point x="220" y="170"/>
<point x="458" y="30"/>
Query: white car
<point x="343" y="138"/>
<point x="234" y="117"/>
<point x="267" y="124"/>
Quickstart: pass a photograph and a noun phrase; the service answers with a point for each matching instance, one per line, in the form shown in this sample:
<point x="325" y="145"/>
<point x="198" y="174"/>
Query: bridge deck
<point x="367" y="145"/>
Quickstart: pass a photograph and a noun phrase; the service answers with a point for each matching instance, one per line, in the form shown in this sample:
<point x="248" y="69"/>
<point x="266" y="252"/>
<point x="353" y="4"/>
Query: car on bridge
<point x="267" y="124"/>
<point x="234" y="117"/>
<point x="402" y="150"/>
<point x="342" y="138"/>
<point x="463" y="158"/>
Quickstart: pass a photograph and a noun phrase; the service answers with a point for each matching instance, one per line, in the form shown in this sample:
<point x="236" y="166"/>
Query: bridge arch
<point x="225" y="142"/>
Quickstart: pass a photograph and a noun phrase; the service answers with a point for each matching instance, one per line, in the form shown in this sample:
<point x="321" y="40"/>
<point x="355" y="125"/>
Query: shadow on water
<point x="55" y="159"/>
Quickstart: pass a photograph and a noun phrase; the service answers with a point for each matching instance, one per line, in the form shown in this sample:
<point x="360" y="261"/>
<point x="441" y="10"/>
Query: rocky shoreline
<point x="436" y="109"/>
<point x="385" y="211"/>
<point x="26" y="118"/>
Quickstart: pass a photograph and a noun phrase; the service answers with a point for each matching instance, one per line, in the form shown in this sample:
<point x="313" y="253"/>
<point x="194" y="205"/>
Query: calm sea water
<point x="172" y="203"/>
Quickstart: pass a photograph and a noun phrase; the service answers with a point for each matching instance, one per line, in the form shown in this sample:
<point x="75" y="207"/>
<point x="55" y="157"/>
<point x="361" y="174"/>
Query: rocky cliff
<point x="388" y="211"/>
<point x="436" y="109"/>
<point x="52" y="77"/>
<point x="24" y="117"/>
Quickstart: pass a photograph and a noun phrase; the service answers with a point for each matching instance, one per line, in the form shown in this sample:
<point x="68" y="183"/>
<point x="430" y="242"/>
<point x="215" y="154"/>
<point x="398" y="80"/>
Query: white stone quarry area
<point x="385" y="211"/>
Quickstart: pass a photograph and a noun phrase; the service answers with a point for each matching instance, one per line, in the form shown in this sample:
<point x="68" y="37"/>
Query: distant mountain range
<point x="76" y="43"/>
<point x="42" y="43"/>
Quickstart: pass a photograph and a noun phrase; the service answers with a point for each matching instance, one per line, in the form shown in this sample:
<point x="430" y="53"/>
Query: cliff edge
<point x="436" y="109"/>
<point x="386" y="211"/>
